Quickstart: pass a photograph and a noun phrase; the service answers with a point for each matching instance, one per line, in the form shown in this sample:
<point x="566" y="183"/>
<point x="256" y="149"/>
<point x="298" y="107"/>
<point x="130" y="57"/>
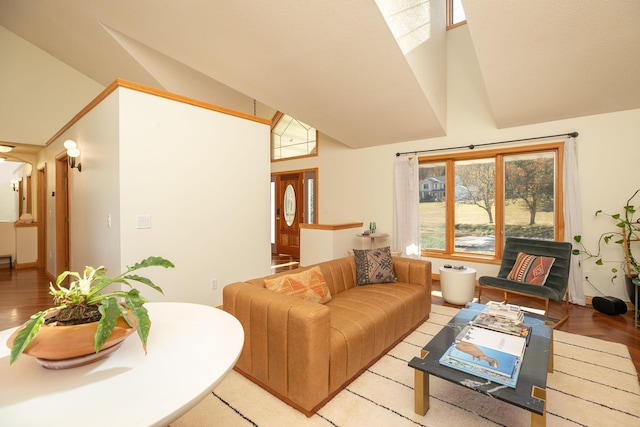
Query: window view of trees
<point x="512" y="191"/>
<point x="475" y="206"/>
<point x="529" y="195"/>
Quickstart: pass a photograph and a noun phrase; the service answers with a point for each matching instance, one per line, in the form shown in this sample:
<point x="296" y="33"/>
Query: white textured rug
<point x="594" y="383"/>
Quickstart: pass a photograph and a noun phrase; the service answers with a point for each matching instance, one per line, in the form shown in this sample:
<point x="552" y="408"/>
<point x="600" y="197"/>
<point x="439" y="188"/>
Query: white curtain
<point x="572" y="221"/>
<point x="406" y="228"/>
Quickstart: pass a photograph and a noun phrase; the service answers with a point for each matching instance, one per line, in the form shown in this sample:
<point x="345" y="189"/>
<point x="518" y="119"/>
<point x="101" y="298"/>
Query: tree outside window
<point x="475" y="195"/>
<point x="529" y="195"/>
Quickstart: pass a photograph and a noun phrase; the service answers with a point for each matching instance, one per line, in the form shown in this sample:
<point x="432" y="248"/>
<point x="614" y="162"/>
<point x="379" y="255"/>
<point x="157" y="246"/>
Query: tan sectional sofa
<point x="304" y="352"/>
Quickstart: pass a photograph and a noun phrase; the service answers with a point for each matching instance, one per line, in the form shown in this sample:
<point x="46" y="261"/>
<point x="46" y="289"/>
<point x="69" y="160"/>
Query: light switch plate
<point x="143" y="221"/>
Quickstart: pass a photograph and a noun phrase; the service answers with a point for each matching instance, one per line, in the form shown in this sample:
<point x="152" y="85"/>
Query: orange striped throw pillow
<point x="308" y="284"/>
<point x="531" y="269"/>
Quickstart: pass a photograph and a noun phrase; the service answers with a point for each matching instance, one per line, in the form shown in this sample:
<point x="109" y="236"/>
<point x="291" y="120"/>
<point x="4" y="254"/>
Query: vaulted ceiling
<point x="335" y="64"/>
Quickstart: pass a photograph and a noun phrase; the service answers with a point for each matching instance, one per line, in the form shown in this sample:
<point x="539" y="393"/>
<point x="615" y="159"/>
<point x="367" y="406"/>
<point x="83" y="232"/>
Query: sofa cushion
<point x="374" y="266"/>
<point x="531" y="269"/>
<point x="308" y="284"/>
<point x="366" y="320"/>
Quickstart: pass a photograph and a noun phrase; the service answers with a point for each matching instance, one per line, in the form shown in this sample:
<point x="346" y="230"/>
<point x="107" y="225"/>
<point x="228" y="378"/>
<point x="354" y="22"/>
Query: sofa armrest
<point x="411" y="270"/>
<point x="287" y="342"/>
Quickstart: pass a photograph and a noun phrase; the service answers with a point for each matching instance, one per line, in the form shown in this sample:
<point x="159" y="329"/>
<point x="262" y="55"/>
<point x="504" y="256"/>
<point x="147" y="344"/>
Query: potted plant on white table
<point x="83" y="321"/>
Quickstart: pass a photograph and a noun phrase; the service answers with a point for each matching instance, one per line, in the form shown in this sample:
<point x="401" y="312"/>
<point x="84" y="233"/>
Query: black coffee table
<point x="530" y="391"/>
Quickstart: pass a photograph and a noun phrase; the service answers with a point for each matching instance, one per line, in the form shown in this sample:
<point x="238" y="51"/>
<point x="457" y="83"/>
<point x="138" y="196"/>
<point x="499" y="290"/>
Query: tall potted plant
<point x="627" y="232"/>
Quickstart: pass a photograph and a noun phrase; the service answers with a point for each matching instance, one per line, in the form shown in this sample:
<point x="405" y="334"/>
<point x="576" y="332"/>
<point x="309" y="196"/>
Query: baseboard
<point x="26" y="265"/>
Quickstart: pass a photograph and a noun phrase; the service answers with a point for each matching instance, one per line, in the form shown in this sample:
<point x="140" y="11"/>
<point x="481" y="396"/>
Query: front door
<point x="288" y="206"/>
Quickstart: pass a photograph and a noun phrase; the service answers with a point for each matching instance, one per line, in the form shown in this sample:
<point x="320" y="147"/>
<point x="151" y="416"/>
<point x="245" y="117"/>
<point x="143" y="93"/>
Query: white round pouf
<point x="458" y="286"/>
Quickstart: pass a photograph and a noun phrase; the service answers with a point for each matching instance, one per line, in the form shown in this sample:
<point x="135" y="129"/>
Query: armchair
<point x="554" y="288"/>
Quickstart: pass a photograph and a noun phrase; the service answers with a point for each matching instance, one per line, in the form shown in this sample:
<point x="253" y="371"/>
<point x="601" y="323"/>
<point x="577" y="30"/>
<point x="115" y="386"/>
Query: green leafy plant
<point x="81" y="302"/>
<point x="626" y="232"/>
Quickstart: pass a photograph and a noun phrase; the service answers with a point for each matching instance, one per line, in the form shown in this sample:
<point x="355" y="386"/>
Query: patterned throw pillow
<point x="531" y="269"/>
<point x="308" y="284"/>
<point x="374" y="266"/>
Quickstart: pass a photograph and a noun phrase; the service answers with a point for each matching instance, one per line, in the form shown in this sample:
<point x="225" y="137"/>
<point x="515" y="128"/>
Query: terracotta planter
<point x="54" y="343"/>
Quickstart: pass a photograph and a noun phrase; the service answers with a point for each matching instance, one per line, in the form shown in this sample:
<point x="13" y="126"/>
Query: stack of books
<point x="508" y="320"/>
<point x="491" y="346"/>
<point x="507" y="312"/>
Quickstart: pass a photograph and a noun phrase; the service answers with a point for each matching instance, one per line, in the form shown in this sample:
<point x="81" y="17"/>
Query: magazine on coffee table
<point x="505" y="311"/>
<point x="500" y="341"/>
<point x="495" y="323"/>
<point x="488" y="353"/>
<point x="504" y="370"/>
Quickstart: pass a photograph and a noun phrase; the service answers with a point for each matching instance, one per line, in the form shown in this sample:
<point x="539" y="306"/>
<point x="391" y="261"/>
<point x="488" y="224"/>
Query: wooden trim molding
<point x="121" y="83"/>
<point x="332" y="226"/>
<point x="25" y="224"/>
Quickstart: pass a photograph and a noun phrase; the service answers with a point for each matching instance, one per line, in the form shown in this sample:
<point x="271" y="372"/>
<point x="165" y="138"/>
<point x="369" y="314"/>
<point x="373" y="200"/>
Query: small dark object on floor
<point x="609" y="305"/>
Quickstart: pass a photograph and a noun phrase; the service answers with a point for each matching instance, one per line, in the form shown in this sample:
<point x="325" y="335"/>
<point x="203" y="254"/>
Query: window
<point x="455" y="14"/>
<point x="291" y="138"/>
<point x="469" y="202"/>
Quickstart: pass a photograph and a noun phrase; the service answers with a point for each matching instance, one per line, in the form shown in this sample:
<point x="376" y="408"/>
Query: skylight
<point x="408" y="20"/>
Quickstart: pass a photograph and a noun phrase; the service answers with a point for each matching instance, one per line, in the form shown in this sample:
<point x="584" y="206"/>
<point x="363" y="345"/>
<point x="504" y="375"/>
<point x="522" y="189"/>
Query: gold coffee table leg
<point x="539" y="420"/>
<point x="421" y="389"/>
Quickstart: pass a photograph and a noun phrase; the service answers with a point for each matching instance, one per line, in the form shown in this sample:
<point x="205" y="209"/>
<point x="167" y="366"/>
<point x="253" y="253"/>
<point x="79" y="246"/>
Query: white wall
<point x="8" y="197"/>
<point x="39" y="95"/>
<point x="92" y="192"/>
<point x="357" y="185"/>
<point x="319" y="245"/>
<point x="31" y="79"/>
<point x="203" y="177"/>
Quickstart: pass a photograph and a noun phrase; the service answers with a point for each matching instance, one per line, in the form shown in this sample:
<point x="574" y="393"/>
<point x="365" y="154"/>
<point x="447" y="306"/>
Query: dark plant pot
<point x="631" y="288"/>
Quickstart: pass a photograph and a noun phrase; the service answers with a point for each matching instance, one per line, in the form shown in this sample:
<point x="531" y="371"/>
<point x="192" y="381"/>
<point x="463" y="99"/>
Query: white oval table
<point x="190" y="349"/>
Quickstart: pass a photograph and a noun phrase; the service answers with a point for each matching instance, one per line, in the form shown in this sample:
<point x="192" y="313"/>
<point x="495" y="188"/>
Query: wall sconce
<point x="73" y="152"/>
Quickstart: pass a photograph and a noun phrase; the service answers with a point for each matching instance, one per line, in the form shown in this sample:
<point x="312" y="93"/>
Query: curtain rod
<point x="471" y="147"/>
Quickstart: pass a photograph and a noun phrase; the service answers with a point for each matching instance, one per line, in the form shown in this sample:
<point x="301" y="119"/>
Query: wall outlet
<point x="214" y="284"/>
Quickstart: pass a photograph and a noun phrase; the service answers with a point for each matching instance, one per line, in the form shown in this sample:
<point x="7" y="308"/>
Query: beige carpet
<point x="594" y="384"/>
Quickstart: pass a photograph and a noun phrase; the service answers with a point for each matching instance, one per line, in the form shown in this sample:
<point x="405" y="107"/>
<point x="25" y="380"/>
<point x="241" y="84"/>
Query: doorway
<point x="293" y="201"/>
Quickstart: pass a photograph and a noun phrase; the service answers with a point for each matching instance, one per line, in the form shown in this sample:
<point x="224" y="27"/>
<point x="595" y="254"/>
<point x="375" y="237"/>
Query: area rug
<point x="594" y="383"/>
